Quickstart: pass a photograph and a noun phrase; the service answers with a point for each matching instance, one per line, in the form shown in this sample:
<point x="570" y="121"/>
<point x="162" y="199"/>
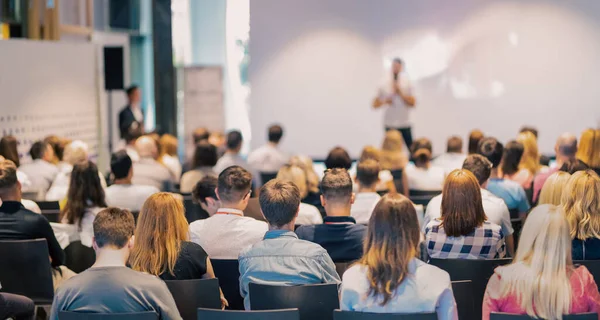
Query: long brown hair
<point x="85" y="191"/>
<point x="160" y="231"/>
<point x="462" y="208"/>
<point x="392" y="242"/>
<point x="8" y="149"/>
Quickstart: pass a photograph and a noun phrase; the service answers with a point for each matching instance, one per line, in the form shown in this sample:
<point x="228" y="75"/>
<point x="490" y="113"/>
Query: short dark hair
<point x="120" y="164"/>
<point x="234" y="184"/>
<point x="132" y="133"/>
<point x="398" y="60"/>
<point x="511" y="157"/>
<point x="279" y="201"/>
<point x="38" y="150"/>
<point x="205" y="188"/>
<point x="338" y="157"/>
<point x="234" y="139"/>
<point x="8" y="174"/>
<point x="336" y="185"/>
<point x="421" y="150"/>
<point x="129" y="91"/>
<point x="367" y="172"/>
<point x="480" y="166"/>
<point x="275" y="133"/>
<point x="573" y="165"/>
<point x="533" y="130"/>
<point x="205" y="155"/>
<point x="113" y="227"/>
<point x="455" y="144"/>
<point x="492" y="149"/>
<point x="474" y="138"/>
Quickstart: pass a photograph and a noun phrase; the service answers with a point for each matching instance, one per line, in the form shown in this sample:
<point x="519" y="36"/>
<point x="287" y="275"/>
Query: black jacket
<point x="126" y="119"/>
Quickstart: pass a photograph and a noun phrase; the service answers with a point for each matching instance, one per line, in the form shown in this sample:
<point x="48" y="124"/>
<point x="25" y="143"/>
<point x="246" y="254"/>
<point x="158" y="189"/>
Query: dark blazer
<point x="126" y="119"/>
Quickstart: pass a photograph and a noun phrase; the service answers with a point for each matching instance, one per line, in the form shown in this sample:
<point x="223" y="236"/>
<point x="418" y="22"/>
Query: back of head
<point x="582" y="205"/>
<point x="566" y="145"/>
<point x="492" y="149"/>
<point x="85" y="191"/>
<point x="113" y="228"/>
<point x="275" y="133"/>
<point x="8" y="149"/>
<point x="338" y="157"/>
<point x="573" y="165"/>
<point x="279" y="202"/>
<point x="421" y="151"/>
<point x="234" y="184"/>
<point x="589" y="148"/>
<point x="168" y="145"/>
<point x="370" y="152"/>
<point x="133" y="133"/>
<point x="511" y="158"/>
<point x="531" y="155"/>
<point x="542" y="263"/>
<point x="295" y="175"/>
<point x="306" y="163"/>
<point x="462" y="207"/>
<point x="336" y="186"/>
<point x="120" y="164"/>
<point x="529" y="129"/>
<point x="553" y="188"/>
<point x="367" y="173"/>
<point x="160" y="231"/>
<point x="200" y="134"/>
<point x="474" y="138"/>
<point x="76" y="152"/>
<point x="205" y="155"/>
<point x="392" y="157"/>
<point x="234" y="140"/>
<point x="393" y="141"/>
<point x="205" y="188"/>
<point x="146" y="147"/>
<point x="392" y="241"/>
<point x="8" y="177"/>
<point x="479" y="166"/>
<point x="38" y="150"/>
<point x="455" y="144"/>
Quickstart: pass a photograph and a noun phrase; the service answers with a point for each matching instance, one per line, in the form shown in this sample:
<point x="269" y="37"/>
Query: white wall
<point x="315" y="66"/>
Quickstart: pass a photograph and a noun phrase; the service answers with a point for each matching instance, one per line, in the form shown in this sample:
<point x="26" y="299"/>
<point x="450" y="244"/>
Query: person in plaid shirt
<point x="463" y="232"/>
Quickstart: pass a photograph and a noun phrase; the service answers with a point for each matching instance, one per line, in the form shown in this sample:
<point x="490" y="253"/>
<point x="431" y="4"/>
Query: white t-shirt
<point x="363" y="206"/>
<point x="174" y="166"/>
<point x="309" y="214"/>
<point x="397" y="115"/>
<point x="430" y="179"/>
<point x="267" y="158"/>
<point x="127" y="196"/>
<point x="449" y="161"/>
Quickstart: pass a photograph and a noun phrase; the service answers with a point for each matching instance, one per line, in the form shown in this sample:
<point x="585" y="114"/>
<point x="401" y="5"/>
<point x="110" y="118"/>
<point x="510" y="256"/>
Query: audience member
<point x="542" y="281"/>
<point x="228" y="231"/>
<point x="553" y="188"/>
<point x="205" y="195"/>
<point x="475" y="136"/>
<point x="531" y="156"/>
<point x="122" y="193"/>
<point x="232" y="156"/>
<point x="511" y="192"/>
<point x="572" y="166"/>
<point x="510" y="165"/>
<point x="148" y="171"/>
<point x="168" y="155"/>
<point x="367" y="176"/>
<point x="454" y="156"/>
<point x="199" y="135"/>
<point x="582" y="208"/>
<point x="338" y="158"/>
<point x="55" y="142"/>
<point x="109" y="286"/>
<point x="312" y="181"/>
<point x="389" y="278"/>
<point x="16" y="307"/>
<point x="463" y="231"/>
<point x="339" y="235"/>
<point x="385" y="179"/>
<point x="9" y="151"/>
<point x="41" y="171"/>
<point x="130" y="140"/>
<point x="423" y="176"/>
<point x="85" y="199"/>
<point x="589" y="149"/>
<point x="494" y="208"/>
<point x="205" y="158"/>
<point x="281" y="258"/>
<point x="529" y="129"/>
<point x="218" y="139"/>
<point x="565" y="150"/>
<point x="307" y="214"/>
<point x="269" y="158"/>
<point x="392" y="156"/>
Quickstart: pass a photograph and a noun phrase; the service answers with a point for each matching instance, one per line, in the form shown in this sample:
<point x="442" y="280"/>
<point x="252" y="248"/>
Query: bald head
<point x="146" y="147"/>
<point x="566" y="146"/>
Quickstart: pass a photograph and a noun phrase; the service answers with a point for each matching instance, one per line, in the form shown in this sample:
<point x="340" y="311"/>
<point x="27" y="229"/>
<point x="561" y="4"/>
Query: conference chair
<point x="507" y="316"/>
<point x="228" y="273"/>
<point x="50" y="210"/>
<point x="253" y="210"/>
<point x="353" y="315"/>
<point x="284" y="314"/>
<point x="25" y="269"/>
<point x="593" y="266"/>
<point x="267" y="176"/>
<point x="79" y="257"/>
<point x="66" y="315"/>
<point x="315" y="301"/>
<point x="189" y="295"/>
<point x="422" y="197"/>
<point x="193" y="211"/>
<point x="397" y="175"/>
<point x="463" y="294"/>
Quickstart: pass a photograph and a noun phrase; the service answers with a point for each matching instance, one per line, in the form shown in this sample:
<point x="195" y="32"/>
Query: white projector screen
<point x="316" y="64"/>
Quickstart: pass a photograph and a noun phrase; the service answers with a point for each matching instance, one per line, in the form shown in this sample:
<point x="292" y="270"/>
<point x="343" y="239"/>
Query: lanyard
<point x="230" y="211"/>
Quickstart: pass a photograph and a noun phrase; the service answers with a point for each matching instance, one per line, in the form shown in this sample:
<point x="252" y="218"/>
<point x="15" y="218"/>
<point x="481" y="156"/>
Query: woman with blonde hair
<point x="530" y="160"/>
<point x="168" y="155"/>
<point x="308" y="213"/>
<point x="389" y="278"/>
<point x="589" y="149"/>
<point x="393" y="157"/>
<point x="542" y="281"/>
<point x="582" y="208"/>
<point x="312" y="180"/>
<point x="552" y="190"/>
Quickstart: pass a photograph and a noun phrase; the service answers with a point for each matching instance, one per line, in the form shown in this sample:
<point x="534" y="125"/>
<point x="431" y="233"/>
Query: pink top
<point x="539" y="181"/>
<point x="584" y="294"/>
<point x="523" y="177"/>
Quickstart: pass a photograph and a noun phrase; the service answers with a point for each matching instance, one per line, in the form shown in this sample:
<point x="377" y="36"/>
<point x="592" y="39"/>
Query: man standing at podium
<point x="131" y="117"/>
<point x="396" y="95"/>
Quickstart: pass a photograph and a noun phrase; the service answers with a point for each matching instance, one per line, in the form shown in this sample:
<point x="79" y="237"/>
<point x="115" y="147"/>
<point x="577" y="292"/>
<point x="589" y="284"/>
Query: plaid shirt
<point x="485" y="242"/>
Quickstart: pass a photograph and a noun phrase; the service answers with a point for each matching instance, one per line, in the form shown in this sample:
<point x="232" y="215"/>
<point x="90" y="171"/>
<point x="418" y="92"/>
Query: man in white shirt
<point x="396" y="93"/>
<point x="232" y="156"/>
<point x="495" y="209"/>
<point x="269" y="158"/>
<point x="367" y="177"/>
<point x="148" y="171"/>
<point x="225" y="234"/>
<point x="122" y="193"/>
<point x="41" y="171"/>
<point x="453" y="158"/>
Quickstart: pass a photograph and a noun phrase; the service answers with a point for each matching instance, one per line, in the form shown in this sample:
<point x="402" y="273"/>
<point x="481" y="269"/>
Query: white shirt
<point x="191" y="178"/>
<point x="132" y="153"/>
<point x="363" y="206"/>
<point x="426" y="288"/>
<point x="60" y="187"/>
<point x="449" y="161"/>
<point x="309" y="214"/>
<point x="137" y="113"/>
<point x="224" y="236"/>
<point x="267" y="158"/>
<point x="430" y="179"/>
<point x="174" y="166"/>
<point x="397" y="115"/>
<point x="495" y="209"/>
<point x="127" y="196"/>
<point x="40" y="173"/>
<point x="228" y="160"/>
<point x="149" y="172"/>
<point x="86" y="233"/>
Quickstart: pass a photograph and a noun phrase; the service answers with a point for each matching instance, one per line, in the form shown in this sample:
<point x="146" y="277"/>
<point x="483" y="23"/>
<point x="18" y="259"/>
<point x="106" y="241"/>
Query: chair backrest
<point x="267" y="176"/>
<point x="253" y="210"/>
<point x="593" y="266"/>
<point x="79" y="257"/>
<point x="66" y="315"/>
<point x="228" y="273"/>
<point x="422" y="197"/>
<point x="284" y="314"/>
<point x="463" y="294"/>
<point x="27" y="270"/>
<point x="315" y="301"/>
<point x="190" y="295"/>
<point x="48" y="205"/>
<point x="353" y="315"/>
<point x="507" y="316"/>
<point x="193" y="211"/>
